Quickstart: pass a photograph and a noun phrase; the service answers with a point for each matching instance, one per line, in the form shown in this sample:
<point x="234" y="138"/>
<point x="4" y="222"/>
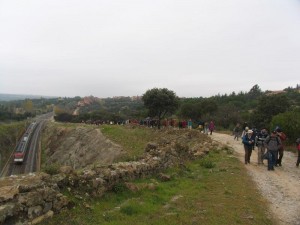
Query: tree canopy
<point x="160" y="102"/>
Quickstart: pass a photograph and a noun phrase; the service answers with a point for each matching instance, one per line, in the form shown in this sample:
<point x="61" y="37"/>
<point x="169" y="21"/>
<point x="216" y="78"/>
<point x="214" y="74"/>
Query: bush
<point x="129" y="210"/>
<point x="52" y="169"/>
<point x="289" y="122"/>
<point x="119" y="188"/>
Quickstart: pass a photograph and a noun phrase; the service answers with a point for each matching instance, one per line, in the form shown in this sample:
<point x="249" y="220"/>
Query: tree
<point x="269" y="106"/>
<point x="28" y="106"/>
<point x="255" y="92"/>
<point x="289" y="122"/>
<point x="160" y="102"/>
<point x="191" y="110"/>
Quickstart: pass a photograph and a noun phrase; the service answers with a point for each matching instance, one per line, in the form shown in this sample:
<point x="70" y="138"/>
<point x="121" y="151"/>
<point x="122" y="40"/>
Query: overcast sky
<point x="111" y="48"/>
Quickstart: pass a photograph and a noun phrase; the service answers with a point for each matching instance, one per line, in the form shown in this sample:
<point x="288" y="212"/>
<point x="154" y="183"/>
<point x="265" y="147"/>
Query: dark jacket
<point x="260" y="138"/>
<point x="272" y="143"/>
<point x="248" y="141"/>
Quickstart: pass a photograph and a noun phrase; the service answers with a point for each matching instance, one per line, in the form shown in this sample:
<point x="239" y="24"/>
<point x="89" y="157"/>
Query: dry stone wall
<point x="32" y="198"/>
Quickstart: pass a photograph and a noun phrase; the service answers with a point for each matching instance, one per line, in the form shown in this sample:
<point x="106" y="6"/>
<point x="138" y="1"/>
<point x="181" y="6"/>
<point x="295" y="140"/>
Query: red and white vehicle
<point x="21" y="149"/>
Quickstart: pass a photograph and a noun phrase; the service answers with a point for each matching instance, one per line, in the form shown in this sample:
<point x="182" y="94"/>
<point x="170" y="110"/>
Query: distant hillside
<point x="12" y="97"/>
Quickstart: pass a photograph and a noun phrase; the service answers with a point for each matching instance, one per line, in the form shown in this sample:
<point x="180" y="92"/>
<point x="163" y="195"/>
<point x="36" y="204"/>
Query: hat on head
<point x="246" y="128"/>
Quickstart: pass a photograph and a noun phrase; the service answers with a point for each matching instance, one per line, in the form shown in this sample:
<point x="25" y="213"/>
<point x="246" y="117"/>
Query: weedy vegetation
<point x="213" y="190"/>
<point x="133" y="139"/>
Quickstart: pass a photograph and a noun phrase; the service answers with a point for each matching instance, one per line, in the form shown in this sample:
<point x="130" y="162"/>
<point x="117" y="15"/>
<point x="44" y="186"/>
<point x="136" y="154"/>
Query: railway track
<point x="31" y="160"/>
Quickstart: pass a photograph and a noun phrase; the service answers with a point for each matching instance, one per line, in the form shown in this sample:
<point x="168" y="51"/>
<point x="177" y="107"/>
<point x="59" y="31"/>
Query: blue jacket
<point x="249" y="141"/>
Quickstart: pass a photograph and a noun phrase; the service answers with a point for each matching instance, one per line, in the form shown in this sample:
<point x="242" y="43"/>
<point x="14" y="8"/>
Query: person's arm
<point x="244" y="140"/>
<point x="266" y="142"/>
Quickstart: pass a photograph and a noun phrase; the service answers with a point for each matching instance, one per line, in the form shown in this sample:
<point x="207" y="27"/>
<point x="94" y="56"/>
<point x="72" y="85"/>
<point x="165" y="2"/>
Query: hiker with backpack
<point x="248" y="141"/>
<point x="272" y="143"/>
<point x="259" y="140"/>
<point x="282" y="137"/>
<point x="298" y="150"/>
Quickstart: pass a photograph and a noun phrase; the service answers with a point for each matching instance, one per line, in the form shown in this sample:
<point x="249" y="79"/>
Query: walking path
<point x="281" y="187"/>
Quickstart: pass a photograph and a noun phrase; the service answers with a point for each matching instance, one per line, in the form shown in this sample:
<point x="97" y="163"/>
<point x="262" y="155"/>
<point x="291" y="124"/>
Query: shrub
<point x="119" y="188"/>
<point x="129" y="210"/>
<point x="52" y="169"/>
<point x="289" y="122"/>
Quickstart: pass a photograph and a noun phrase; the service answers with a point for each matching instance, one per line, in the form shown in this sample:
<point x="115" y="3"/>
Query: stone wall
<point x="29" y="198"/>
<point x="32" y="198"/>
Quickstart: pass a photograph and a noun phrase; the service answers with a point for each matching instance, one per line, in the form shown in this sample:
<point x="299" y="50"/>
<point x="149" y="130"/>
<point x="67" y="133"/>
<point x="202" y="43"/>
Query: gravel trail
<point x="281" y="187"/>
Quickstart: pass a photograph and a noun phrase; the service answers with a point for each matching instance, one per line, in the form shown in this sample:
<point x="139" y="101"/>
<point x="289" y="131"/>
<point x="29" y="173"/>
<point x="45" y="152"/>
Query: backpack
<point x="282" y="136"/>
<point x="280" y="146"/>
<point x="278" y="143"/>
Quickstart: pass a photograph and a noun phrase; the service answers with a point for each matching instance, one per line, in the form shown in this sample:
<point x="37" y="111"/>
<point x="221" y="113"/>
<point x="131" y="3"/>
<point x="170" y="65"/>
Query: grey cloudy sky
<point x="111" y="48"/>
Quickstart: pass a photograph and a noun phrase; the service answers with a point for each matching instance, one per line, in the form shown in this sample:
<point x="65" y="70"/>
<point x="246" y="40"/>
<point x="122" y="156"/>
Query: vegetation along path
<point x="280" y="187"/>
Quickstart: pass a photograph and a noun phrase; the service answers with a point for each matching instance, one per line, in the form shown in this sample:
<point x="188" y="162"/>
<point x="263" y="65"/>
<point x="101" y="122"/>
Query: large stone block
<point x="6" y="210"/>
<point x="8" y="193"/>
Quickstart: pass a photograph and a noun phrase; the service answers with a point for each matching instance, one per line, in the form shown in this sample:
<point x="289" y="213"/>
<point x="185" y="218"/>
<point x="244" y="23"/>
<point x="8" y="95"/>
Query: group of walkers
<point x="269" y="146"/>
<point x="206" y="127"/>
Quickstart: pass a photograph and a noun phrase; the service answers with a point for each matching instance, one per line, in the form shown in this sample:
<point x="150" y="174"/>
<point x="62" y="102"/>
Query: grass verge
<point x="132" y="139"/>
<point x="212" y="190"/>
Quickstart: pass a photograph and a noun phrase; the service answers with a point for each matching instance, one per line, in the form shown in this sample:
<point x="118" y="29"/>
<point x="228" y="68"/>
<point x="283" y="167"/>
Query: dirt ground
<point x="79" y="146"/>
<point x="280" y="187"/>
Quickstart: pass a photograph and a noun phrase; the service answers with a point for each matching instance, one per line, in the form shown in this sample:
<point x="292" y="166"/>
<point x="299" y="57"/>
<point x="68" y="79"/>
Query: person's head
<point x="246" y="129"/>
<point x="278" y="130"/>
<point x="250" y="132"/>
<point x="264" y="131"/>
<point x="274" y="133"/>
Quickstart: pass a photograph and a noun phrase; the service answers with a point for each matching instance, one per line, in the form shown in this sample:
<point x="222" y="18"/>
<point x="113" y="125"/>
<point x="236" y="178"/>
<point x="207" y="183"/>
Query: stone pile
<point x="32" y="197"/>
<point x="37" y="196"/>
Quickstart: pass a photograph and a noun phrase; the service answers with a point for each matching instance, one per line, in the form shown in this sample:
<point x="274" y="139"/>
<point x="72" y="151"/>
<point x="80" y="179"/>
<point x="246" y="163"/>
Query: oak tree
<point x="160" y="102"/>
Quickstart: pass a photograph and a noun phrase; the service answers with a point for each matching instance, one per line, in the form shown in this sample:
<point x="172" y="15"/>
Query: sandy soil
<point x="281" y="187"/>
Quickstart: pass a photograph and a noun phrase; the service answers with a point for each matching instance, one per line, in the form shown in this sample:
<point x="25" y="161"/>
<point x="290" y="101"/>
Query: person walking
<point x="206" y="125"/>
<point x="190" y="123"/>
<point x="248" y="141"/>
<point x="298" y="150"/>
<point x="236" y="132"/>
<point x="272" y="143"/>
<point x="211" y="127"/>
<point x="282" y="137"/>
<point x="244" y="132"/>
<point x="259" y="140"/>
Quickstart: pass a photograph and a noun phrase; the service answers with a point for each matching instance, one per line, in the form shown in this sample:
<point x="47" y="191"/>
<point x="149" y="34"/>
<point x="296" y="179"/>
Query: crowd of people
<point x="270" y="146"/>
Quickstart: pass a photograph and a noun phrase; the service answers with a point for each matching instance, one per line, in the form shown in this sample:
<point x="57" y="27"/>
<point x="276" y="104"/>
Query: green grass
<point x="132" y="139"/>
<point x="222" y="194"/>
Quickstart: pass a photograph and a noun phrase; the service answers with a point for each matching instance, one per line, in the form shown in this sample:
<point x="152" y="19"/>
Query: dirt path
<point x="281" y="187"/>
